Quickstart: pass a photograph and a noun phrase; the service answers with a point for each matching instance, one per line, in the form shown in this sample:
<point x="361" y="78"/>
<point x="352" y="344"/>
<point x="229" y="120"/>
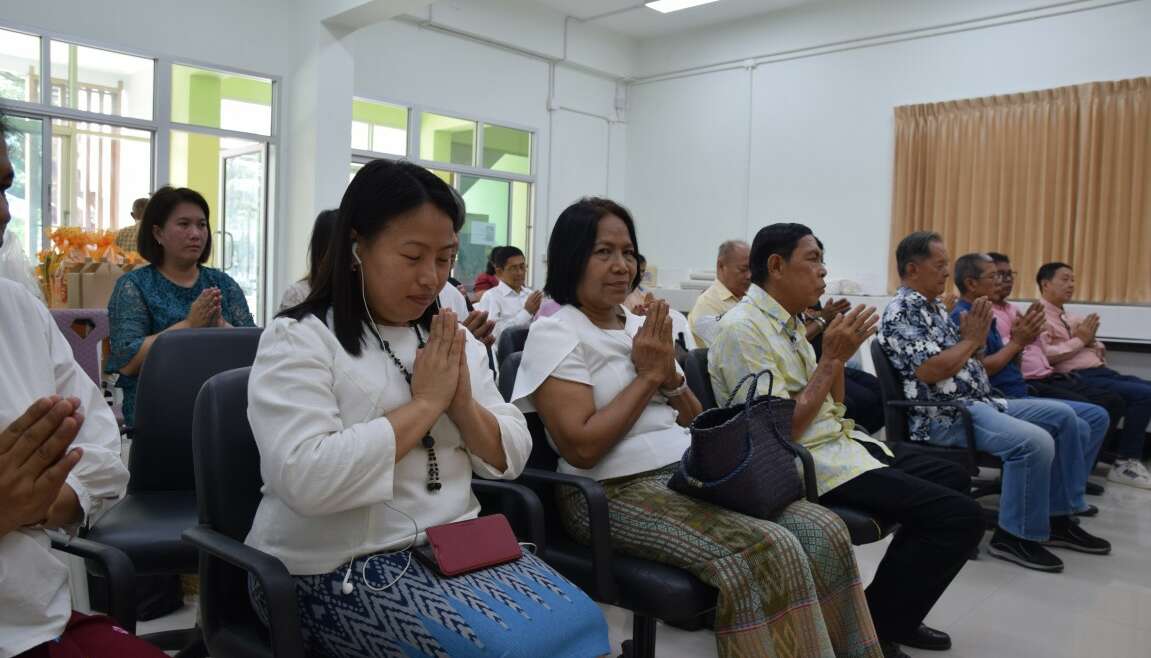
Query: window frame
<point x="415" y="113"/>
<point x="160" y="127"/>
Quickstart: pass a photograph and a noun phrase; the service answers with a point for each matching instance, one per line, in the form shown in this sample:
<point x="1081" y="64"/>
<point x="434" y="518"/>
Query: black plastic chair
<point x="228" y="479"/>
<point x="161" y="501"/>
<point x="864" y="527"/>
<point x="896" y="408"/>
<point x="650" y="590"/>
<point x="512" y="340"/>
<point x="111" y="564"/>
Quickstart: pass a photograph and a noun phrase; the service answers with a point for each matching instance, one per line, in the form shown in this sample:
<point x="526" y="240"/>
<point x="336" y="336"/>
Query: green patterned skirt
<point x="788" y="588"/>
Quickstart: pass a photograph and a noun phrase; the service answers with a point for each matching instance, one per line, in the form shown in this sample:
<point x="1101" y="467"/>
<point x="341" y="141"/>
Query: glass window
<point x="488" y="201"/>
<point x="507" y="149"/>
<point x="379" y="127"/>
<point x="447" y="139"/>
<point x="217" y="99"/>
<point x="97" y="172"/>
<point x="353" y="170"/>
<point x="521" y="213"/>
<point x="101" y="81"/>
<point x="232" y="176"/>
<point x="19" y="66"/>
<point x="25" y="203"/>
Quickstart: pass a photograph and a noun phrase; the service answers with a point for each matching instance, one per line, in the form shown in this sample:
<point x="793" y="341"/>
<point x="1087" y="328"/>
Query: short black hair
<point x="775" y="240"/>
<point x="318" y="245"/>
<point x="967" y="267"/>
<point x="1047" y="272"/>
<point x="380" y="192"/>
<point x="640" y="266"/>
<point x="997" y="257"/>
<point x="160" y="207"/>
<point x="572" y="242"/>
<point x="913" y="249"/>
<point x="501" y="256"/>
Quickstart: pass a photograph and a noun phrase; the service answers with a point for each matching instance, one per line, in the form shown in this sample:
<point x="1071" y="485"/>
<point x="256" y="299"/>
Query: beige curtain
<point x="1059" y="174"/>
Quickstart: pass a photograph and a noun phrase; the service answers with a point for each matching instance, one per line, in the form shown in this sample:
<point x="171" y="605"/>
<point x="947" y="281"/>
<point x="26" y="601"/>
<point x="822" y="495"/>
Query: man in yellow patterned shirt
<point x="126" y="237"/>
<point x="940" y="524"/>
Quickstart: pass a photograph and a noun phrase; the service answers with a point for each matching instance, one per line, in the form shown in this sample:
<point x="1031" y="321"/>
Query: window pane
<point x="353" y="170"/>
<point x="487" y="202"/>
<point x="97" y="172"/>
<point x="216" y="99"/>
<point x="19" y="66"/>
<point x="507" y="149"/>
<point x="25" y="203"/>
<point x="521" y="213"/>
<point x="101" y="81"/>
<point x="446" y="139"/>
<point x="380" y="127"/>
<point x="231" y="174"/>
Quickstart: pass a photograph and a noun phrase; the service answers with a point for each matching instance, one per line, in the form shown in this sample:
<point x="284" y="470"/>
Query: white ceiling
<point x="638" y="21"/>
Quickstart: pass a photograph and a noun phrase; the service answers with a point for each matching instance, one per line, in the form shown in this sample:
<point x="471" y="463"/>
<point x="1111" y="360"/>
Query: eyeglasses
<point x="1009" y="274"/>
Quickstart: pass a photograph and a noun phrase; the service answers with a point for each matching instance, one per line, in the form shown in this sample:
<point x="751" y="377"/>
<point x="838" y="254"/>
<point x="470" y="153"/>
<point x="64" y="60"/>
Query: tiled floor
<point x="1100" y="607"/>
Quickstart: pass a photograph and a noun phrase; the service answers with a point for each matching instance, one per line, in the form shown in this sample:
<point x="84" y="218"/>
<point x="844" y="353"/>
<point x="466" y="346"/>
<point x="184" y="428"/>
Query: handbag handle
<point x="749" y="445"/>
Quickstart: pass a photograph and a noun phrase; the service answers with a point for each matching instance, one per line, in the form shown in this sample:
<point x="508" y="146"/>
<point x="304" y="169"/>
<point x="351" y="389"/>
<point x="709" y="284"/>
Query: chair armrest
<point x="525" y="499"/>
<point x="279" y="586"/>
<point x="965" y="418"/>
<point x="596" y="499"/>
<point x="116" y="565"/>
<point x="810" y="483"/>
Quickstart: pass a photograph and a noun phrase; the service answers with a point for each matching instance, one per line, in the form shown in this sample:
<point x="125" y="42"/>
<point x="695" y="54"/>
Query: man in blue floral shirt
<point x="939" y="362"/>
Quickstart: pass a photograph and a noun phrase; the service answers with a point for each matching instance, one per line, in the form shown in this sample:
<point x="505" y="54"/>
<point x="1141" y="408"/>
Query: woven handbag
<point x="741" y="458"/>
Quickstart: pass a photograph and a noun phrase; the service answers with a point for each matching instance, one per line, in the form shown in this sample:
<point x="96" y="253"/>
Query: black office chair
<point x="864" y="528"/>
<point x="227" y="470"/>
<point x="896" y="408"/>
<point x="161" y="501"/>
<point x="511" y="340"/>
<point x="650" y="590"/>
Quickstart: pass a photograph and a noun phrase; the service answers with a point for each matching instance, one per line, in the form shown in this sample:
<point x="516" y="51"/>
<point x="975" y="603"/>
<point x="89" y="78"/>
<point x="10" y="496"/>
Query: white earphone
<point x="356" y="253"/>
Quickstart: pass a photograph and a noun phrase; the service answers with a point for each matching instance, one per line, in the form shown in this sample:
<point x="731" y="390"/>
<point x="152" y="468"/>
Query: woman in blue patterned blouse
<point x="175" y="292"/>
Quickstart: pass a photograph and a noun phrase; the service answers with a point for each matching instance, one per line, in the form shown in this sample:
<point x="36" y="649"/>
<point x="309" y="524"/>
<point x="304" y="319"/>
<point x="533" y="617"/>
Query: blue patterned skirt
<point x="520" y="609"/>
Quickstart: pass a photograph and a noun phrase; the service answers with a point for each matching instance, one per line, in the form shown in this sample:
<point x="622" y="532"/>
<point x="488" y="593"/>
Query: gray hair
<point x="967" y="267"/>
<point x="728" y="248"/>
<point x="914" y="248"/>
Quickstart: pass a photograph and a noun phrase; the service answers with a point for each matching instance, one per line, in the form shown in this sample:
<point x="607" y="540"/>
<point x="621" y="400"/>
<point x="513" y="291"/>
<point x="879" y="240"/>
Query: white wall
<point x="404" y="63"/>
<point x="822" y="133"/>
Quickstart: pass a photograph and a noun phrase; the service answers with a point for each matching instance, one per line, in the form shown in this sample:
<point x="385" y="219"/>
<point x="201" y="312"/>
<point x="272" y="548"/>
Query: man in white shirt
<point x="14" y="264"/>
<point x="511" y="303"/>
<point x="732" y="278"/>
<point x="48" y="403"/>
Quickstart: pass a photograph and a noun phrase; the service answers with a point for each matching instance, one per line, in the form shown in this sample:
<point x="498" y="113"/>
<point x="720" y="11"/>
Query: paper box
<point x="97" y="282"/>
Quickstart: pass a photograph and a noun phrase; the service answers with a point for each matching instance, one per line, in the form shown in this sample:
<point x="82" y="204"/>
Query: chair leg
<point x="643" y="630"/>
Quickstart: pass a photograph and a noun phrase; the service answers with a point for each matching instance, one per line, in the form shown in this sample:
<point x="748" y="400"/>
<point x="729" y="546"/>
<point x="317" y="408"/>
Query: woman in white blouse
<point x="616" y="407"/>
<point x="371" y="413"/>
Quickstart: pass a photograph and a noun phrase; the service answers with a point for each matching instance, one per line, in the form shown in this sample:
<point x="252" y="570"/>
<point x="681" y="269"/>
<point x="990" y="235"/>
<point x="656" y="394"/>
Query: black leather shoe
<point x="1090" y="511"/>
<point x="892" y="650"/>
<point x="1094" y="489"/>
<point x="927" y="638"/>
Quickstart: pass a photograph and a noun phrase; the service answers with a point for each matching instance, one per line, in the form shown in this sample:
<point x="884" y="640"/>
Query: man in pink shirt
<point x="1041" y="377"/>
<point x="1069" y="344"/>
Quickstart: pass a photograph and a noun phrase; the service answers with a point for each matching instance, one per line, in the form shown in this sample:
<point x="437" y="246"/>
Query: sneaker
<point x="1065" y="534"/>
<point x="1024" y="552"/>
<point x="1130" y="472"/>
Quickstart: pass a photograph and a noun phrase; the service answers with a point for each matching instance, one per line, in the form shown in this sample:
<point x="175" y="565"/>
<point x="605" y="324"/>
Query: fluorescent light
<point x="668" y="6"/>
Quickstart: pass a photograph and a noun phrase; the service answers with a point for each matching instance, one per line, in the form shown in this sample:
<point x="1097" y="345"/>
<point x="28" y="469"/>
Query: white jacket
<point x="332" y="486"/>
<point x="36" y="362"/>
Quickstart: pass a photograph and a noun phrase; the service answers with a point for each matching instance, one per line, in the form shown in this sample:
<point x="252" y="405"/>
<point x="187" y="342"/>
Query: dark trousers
<point x="1136" y="393"/>
<point x="939" y="526"/>
<point x="1070" y="387"/>
<point x="863" y="400"/>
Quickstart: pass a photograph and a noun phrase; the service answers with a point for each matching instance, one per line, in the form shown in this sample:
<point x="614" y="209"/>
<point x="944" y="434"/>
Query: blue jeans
<point x="1093" y="423"/>
<point x="1136" y="393"/>
<point x="1038" y="479"/>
